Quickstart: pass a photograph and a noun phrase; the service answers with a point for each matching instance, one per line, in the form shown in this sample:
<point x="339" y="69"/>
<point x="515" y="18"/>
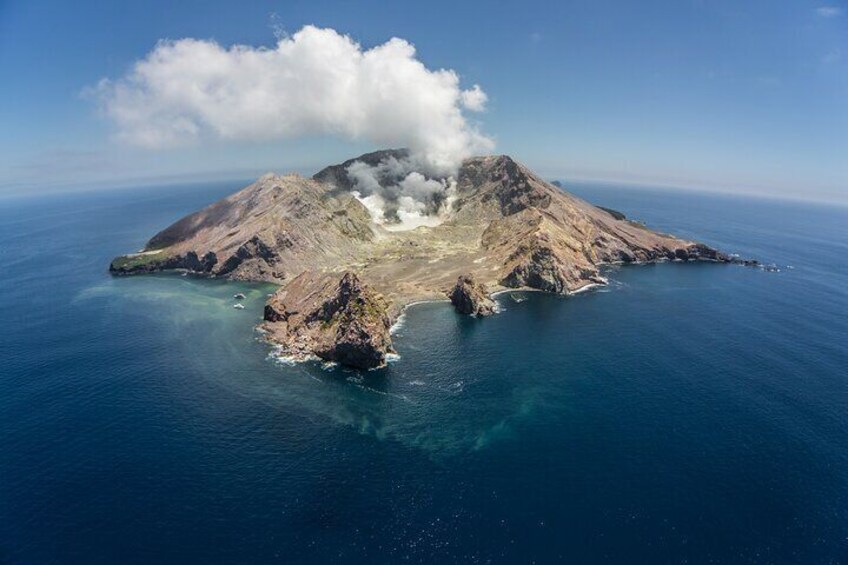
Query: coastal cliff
<point x="345" y="277"/>
<point x="335" y="319"/>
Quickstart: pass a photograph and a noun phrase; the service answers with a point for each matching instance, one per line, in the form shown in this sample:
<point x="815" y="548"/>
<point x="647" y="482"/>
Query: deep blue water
<point x="686" y="414"/>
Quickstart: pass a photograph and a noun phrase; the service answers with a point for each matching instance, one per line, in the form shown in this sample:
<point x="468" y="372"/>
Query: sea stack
<point x="334" y="317"/>
<point x="471" y="297"/>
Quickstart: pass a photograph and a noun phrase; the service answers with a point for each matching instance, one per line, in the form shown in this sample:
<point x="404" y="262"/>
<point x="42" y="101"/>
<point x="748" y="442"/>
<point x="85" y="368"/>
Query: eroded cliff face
<point x="344" y="278"/>
<point x="336" y="318"/>
<point x="471" y="297"/>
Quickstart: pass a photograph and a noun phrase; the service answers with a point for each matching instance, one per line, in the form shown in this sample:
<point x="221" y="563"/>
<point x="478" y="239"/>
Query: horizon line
<point x="249" y="175"/>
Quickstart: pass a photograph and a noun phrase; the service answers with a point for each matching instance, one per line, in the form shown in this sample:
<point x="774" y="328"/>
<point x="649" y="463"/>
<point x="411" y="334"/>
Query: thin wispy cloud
<point x="833" y="56"/>
<point x="829" y="11"/>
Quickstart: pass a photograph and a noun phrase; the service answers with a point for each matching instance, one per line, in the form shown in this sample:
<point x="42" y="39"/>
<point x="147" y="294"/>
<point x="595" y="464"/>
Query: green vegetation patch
<point x="135" y="261"/>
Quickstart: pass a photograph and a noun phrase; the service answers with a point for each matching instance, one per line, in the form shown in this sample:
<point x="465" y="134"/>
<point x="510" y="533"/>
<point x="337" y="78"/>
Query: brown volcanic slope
<point x="507" y="228"/>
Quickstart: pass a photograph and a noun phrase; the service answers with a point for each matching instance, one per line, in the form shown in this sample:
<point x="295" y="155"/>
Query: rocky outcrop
<point x="701" y="252"/>
<point x="471" y="297"/>
<point x="334" y="317"/>
<point x="614" y="213"/>
<point x="257" y="255"/>
<point x="539" y="266"/>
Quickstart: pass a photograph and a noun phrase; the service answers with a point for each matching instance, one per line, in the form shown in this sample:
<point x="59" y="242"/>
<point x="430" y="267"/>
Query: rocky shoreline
<point x="344" y="280"/>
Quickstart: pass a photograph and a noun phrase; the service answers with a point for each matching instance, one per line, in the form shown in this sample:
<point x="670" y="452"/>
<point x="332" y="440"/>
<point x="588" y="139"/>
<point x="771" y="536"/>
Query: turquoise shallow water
<point x="685" y="414"/>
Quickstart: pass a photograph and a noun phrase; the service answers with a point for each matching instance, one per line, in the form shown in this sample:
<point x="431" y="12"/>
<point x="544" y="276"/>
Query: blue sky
<point x="732" y="96"/>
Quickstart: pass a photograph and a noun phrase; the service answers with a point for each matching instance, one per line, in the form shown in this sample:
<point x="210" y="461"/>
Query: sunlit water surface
<point x="684" y="414"/>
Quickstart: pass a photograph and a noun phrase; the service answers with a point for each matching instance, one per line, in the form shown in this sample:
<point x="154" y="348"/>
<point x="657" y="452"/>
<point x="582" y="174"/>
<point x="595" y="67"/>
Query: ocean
<point x="684" y="414"/>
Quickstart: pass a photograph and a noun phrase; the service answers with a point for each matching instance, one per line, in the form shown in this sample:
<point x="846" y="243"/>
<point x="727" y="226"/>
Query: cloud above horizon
<point x="315" y="82"/>
<point x="829" y="11"/>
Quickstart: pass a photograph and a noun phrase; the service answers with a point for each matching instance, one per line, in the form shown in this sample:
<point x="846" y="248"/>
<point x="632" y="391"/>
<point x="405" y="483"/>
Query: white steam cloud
<point x="315" y="82"/>
<point x="410" y="200"/>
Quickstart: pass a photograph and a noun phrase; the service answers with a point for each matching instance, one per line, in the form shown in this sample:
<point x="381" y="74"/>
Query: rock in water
<point x="335" y="318"/>
<point x="471" y="297"/>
